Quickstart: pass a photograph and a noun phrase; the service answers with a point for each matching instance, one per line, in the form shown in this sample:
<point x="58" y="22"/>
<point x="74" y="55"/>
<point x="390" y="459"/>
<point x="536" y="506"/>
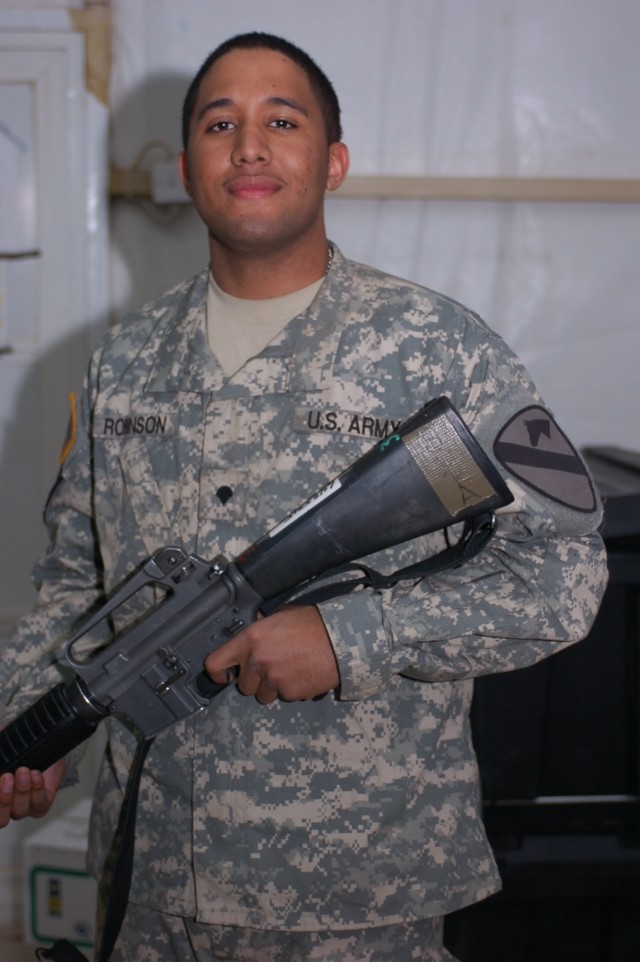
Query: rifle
<point x="428" y="475"/>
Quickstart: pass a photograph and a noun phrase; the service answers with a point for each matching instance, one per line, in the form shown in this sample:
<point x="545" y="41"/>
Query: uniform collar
<point x="319" y="330"/>
<point x="184" y="361"/>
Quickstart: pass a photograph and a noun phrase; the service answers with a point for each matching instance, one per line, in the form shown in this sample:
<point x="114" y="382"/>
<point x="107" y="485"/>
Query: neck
<point x="273" y="274"/>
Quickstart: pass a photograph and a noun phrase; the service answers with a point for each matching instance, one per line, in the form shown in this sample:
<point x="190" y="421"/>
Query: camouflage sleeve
<point x="513" y="605"/>
<point x="535" y="589"/>
<point x="67" y="579"/>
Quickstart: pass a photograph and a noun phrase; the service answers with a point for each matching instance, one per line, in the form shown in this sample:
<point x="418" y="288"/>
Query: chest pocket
<point x="257" y="467"/>
<point x="241" y="427"/>
<point x="303" y="446"/>
<point x="138" y="473"/>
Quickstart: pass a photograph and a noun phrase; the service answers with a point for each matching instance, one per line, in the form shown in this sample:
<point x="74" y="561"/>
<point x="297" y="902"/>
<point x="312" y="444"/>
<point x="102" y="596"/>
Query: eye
<point x="220" y="126"/>
<point x="282" y="124"/>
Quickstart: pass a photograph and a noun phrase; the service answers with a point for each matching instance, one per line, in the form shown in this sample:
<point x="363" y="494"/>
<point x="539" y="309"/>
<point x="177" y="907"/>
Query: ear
<point x="183" y="170"/>
<point x="338" y="166"/>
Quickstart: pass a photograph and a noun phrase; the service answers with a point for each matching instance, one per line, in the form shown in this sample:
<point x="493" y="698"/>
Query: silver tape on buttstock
<point x="448" y="465"/>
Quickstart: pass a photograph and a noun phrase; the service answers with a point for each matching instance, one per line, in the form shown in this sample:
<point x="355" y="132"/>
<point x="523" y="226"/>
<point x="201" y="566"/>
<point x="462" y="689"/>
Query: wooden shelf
<point x="554" y="189"/>
<point x="137" y="184"/>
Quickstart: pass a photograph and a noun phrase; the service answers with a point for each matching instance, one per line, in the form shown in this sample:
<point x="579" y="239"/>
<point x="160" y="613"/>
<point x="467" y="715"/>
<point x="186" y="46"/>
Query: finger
<point x="6" y="798"/>
<point x="6" y="788"/>
<point x="248" y="680"/>
<point x="220" y="664"/>
<point x="266" y="694"/>
<point x="39" y="800"/>
<point x="21" y="800"/>
<point x="224" y="676"/>
<point x="21" y="793"/>
<point x="252" y="680"/>
<point x="27" y="793"/>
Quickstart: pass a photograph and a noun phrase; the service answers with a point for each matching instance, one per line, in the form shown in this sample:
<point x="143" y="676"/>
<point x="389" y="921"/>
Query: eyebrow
<point x="223" y="102"/>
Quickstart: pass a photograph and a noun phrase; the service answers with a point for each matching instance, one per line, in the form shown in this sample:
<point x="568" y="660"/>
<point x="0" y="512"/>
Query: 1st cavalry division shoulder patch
<point x="532" y="447"/>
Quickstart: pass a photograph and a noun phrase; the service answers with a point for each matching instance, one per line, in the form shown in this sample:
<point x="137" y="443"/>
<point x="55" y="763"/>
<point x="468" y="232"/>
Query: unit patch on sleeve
<point x="533" y="448"/>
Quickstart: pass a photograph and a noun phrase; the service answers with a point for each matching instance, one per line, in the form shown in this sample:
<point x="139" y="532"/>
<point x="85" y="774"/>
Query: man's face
<point x="257" y="162"/>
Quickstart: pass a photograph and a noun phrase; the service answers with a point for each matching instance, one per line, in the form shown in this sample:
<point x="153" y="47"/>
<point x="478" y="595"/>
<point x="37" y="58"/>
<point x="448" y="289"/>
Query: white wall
<point x="543" y="88"/>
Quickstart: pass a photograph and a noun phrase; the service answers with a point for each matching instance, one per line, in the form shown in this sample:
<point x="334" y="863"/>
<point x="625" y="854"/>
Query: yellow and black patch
<point x="70" y="436"/>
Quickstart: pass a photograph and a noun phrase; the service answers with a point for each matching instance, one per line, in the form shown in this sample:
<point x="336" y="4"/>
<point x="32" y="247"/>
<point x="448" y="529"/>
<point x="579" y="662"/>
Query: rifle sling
<point x="117" y="876"/>
<point x="475" y="536"/>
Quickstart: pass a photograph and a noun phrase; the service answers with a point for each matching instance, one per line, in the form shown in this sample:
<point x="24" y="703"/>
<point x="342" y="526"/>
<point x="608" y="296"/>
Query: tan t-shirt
<point x="238" y="329"/>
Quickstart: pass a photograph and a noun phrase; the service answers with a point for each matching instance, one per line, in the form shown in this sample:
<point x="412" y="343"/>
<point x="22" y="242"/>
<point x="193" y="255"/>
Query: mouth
<point x="248" y="187"/>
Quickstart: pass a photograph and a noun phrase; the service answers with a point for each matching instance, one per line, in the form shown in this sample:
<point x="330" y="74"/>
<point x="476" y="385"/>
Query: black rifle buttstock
<point x="427" y="475"/>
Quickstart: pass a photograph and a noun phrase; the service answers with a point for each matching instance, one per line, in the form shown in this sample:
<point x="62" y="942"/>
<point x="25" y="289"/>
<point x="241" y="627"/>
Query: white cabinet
<point x="53" y="260"/>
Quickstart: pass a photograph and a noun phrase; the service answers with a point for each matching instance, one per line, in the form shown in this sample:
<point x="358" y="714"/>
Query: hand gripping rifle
<point x="429" y="474"/>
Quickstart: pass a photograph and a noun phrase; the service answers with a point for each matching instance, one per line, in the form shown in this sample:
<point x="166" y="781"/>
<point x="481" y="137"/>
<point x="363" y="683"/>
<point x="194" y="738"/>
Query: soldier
<point x="285" y="826"/>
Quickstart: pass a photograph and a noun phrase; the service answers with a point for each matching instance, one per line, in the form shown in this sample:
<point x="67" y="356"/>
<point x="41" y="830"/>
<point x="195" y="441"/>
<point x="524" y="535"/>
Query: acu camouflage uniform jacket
<point x="361" y="808"/>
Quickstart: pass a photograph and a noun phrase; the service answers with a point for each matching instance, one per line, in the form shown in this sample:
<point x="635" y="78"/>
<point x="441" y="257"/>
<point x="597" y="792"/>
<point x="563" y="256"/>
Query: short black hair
<point x="320" y="83"/>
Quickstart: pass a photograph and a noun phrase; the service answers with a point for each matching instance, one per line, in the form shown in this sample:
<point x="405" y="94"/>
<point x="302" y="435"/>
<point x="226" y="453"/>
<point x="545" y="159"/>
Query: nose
<point x="250" y="145"/>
